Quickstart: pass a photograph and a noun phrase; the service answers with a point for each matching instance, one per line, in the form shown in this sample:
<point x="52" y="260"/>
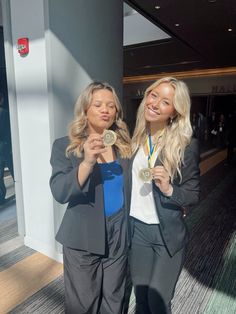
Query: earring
<point x="171" y="120"/>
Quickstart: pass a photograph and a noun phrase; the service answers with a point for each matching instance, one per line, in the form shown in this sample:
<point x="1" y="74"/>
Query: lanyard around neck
<point x="151" y="150"/>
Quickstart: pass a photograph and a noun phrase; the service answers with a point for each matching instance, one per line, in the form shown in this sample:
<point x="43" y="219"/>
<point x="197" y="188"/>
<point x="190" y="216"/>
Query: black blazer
<point x="83" y="225"/>
<point x="185" y="193"/>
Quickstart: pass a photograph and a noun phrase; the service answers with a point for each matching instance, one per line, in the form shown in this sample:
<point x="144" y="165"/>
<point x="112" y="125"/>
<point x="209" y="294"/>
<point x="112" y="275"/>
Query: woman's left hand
<point x="162" y="180"/>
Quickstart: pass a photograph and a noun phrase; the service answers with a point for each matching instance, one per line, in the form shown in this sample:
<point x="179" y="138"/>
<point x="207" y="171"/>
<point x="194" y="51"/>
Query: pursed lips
<point x="104" y="117"/>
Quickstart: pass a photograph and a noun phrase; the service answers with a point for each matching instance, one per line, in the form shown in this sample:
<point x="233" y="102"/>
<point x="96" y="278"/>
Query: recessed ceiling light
<point x="157" y="7"/>
<point x="211" y="1"/>
<point x="177" y="24"/>
<point x="230" y="29"/>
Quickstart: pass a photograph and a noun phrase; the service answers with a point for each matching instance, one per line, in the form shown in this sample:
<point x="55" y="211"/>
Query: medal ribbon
<point x="151" y="150"/>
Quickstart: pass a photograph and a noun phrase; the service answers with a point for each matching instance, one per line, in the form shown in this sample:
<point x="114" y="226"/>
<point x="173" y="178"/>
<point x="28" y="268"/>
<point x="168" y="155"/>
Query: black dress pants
<point x="154" y="272"/>
<point x="5" y="160"/>
<point x="2" y="184"/>
<point x="96" y="283"/>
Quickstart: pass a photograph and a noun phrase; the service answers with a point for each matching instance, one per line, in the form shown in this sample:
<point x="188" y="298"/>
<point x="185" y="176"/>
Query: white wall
<point x="87" y="46"/>
<point x="147" y="31"/>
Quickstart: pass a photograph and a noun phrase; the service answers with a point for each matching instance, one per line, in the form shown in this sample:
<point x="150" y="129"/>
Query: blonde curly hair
<point x="78" y="127"/>
<point x="178" y="132"/>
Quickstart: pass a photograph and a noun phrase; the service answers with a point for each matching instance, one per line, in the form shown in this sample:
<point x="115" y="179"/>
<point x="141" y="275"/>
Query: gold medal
<point x="109" y="137"/>
<point x="145" y="174"/>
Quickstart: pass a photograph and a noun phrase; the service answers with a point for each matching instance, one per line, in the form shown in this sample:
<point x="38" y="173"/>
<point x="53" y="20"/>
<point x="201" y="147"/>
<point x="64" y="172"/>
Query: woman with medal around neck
<point x="88" y="173"/>
<point x="165" y="179"/>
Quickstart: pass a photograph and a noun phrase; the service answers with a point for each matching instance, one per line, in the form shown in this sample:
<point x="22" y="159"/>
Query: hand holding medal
<point x="93" y="147"/>
<point x="162" y="180"/>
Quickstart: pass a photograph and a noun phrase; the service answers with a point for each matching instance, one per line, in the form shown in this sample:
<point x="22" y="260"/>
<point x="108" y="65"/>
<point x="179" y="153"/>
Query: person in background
<point x="202" y="129"/>
<point x="165" y="179"/>
<point x="221" y="132"/>
<point x="89" y="170"/>
<point x="5" y="147"/>
<point x="194" y="123"/>
<point x="211" y="126"/>
<point x="231" y="138"/>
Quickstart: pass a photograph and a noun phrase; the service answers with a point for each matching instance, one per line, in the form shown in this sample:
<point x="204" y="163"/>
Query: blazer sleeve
<point x="63" y="182"/>
<point x="186" y="192"/>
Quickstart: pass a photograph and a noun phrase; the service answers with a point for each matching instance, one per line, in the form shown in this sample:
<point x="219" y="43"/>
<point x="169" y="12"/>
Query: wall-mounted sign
<point x="140" y="93"/>
<point x="221" y="89"/>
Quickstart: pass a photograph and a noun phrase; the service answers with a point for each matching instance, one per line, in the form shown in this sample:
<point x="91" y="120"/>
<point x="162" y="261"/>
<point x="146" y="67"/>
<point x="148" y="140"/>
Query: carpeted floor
<point x="49" y="299"/>
<point x="8" y="230"/>
<point x="202" y="287"/>
<point x="207" y="284"/>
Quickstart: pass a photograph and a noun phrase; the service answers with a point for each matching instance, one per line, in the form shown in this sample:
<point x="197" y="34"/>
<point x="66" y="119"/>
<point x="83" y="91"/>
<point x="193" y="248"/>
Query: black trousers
<point x="2" y="184"/>
<point x="154" y="272"/>
<point x="5" y="160"/>
<point x="96" y="283"/>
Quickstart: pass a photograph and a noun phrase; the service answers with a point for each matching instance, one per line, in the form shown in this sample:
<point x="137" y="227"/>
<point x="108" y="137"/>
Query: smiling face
<point x="101" y="112"/>
<point x="159" y="107"/>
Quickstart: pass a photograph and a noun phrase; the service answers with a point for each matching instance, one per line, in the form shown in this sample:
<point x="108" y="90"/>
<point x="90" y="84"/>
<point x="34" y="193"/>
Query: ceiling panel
<point x="201" y="40"/>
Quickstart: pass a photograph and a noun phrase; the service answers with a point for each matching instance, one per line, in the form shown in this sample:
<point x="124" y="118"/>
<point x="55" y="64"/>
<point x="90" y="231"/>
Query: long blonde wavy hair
<point x="178" y="132"/>
<point x="78" y="129"/>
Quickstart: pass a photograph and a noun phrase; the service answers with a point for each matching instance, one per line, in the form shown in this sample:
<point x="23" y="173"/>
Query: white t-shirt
<point x="142" y="202"/>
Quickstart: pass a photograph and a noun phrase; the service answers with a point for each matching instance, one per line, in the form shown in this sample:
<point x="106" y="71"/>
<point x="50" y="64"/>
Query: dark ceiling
<point x="201" y="41"/>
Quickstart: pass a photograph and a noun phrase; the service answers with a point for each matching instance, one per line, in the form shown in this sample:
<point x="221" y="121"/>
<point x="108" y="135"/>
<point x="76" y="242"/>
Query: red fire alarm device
<point x="23" y="46"/>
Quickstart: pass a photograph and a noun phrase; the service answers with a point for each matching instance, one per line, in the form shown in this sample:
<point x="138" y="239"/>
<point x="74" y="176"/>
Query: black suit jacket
<point x="185" y="193"/>
<point x="83" y="225"/>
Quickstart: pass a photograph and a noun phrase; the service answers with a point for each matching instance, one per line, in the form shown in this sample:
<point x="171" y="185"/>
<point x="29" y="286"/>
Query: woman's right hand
<point x="93" y="147"/>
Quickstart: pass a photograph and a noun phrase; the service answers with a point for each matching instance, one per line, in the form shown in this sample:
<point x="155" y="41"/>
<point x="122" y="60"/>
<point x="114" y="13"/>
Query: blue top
<point x="113" y="183"/>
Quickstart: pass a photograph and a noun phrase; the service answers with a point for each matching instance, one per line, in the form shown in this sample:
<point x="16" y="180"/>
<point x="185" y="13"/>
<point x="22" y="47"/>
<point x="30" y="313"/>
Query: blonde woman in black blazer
<point x="87" y="175"/>
<point x="165" y="179"/>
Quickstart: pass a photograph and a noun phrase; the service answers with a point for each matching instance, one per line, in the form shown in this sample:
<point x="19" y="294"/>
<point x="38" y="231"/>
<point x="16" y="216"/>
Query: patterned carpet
<point x="8" y="230"/>
<point x="50" y="299"/>
<point x="207" y="284"/>
<point x="203" y="287"/>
